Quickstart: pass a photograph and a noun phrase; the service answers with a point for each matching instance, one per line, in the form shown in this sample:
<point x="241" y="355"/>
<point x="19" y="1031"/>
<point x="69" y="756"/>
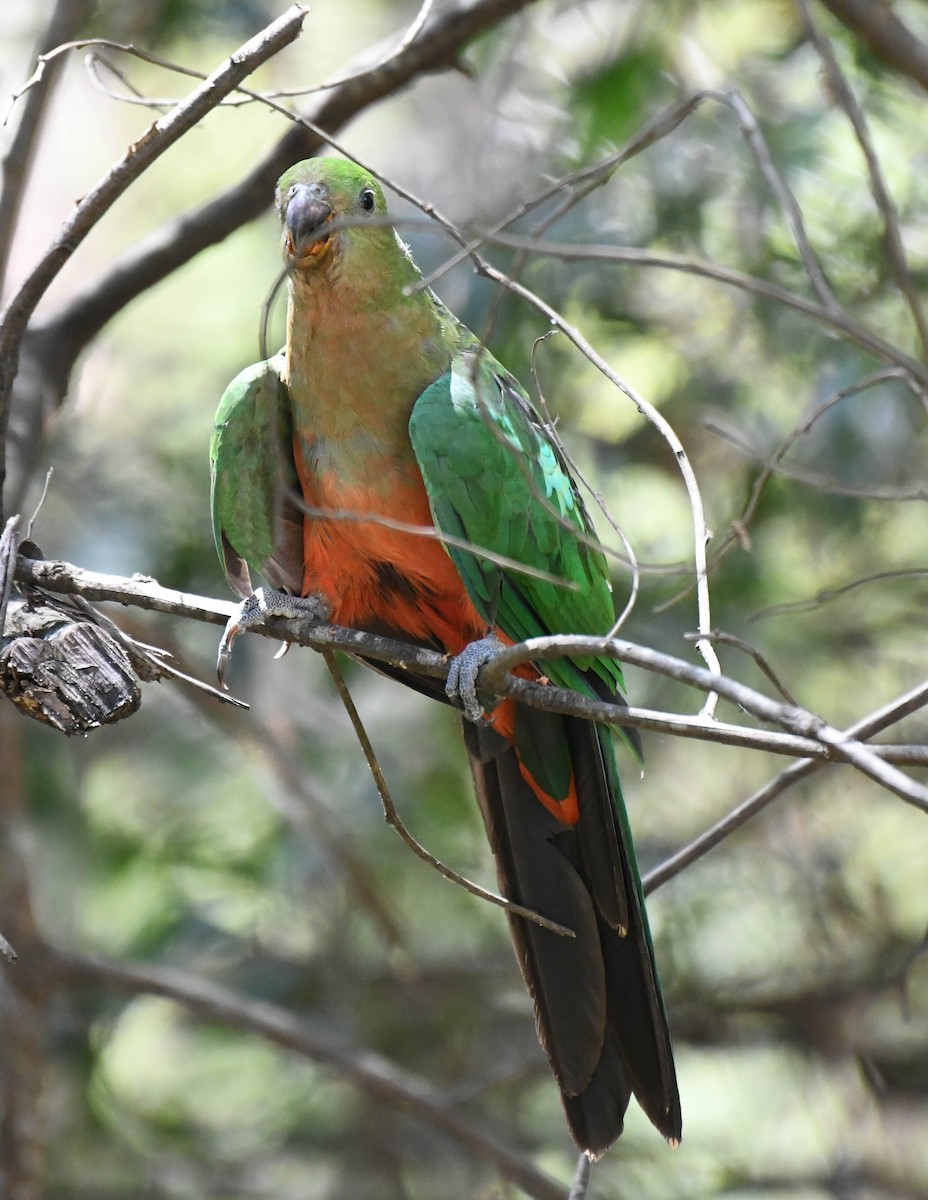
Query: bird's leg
<point x="268" y="602"/>
<point x="461" y="685"/>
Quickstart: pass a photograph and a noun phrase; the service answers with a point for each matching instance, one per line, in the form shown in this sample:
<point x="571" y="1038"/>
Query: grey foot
<point x="461" y="686"/>
<point x="263" y="603"/>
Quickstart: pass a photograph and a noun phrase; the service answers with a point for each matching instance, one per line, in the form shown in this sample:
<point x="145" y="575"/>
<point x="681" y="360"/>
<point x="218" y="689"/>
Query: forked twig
<point x="890" y="714"/>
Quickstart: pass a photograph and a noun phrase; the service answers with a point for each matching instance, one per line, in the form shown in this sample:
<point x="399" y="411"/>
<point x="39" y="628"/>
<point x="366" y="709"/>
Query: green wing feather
<point x="256" y="523"/>
<point x="495" y="478"/>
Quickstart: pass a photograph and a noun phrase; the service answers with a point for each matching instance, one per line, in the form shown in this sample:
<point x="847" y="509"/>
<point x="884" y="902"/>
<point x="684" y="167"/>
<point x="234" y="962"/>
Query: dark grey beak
<point x="306" y="213"/>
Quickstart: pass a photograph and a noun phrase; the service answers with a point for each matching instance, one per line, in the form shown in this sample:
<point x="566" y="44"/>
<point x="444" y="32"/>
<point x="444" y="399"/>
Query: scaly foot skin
<point x="461" y="686"/>
<point x="263" y="603"/>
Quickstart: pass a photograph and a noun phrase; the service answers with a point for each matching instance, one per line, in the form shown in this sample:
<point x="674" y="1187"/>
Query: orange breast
<point x="377" y="577"/>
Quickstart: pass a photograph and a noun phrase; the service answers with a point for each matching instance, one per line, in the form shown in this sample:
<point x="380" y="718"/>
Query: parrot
<point x="383" y="419"/>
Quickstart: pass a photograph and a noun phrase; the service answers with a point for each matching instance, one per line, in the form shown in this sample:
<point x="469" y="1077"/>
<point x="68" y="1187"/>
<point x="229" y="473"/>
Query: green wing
<point x="256" y="522"/>
<point x="496" y="479"/>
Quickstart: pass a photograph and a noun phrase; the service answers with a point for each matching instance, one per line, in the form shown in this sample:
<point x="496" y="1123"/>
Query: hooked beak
<point x="307" y="213"/>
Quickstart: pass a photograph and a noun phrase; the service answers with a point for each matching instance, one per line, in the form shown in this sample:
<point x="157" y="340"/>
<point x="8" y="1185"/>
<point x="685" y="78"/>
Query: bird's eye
<point x="366" y="200"/>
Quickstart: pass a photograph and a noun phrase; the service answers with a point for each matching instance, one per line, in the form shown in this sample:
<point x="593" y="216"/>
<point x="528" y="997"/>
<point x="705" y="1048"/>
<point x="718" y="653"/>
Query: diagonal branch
<point x="870" y="725"/>
<point x="892" y="237"/>
<point x="66" y="17"/>
<point x="370" y="1073"/>
<point x="436" y="47"/>
<point x="140" y="155"/>
<point x="890" y="39"/>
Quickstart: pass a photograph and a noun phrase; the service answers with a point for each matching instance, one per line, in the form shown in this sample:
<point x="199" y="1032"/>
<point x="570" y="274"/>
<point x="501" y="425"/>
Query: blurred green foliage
<point x="789" y="955"/>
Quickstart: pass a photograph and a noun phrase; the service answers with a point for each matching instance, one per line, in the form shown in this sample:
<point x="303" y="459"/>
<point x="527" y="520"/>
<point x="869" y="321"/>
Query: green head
<point x="316" y="193"/>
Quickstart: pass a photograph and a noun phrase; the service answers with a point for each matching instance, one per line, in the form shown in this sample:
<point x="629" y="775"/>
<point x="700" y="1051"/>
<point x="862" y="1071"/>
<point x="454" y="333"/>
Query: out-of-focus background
<point x="248" y="849"/>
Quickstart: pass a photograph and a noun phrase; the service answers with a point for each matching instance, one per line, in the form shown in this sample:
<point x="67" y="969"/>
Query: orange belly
<point x="378" y="577"/>
<point x="392" y="581"/>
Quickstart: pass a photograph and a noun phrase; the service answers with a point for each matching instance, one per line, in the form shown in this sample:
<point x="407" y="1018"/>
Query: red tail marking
<point x="503" y="721"/>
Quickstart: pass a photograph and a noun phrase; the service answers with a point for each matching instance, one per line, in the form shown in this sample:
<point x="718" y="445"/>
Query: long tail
<point x="598" y="1004"/>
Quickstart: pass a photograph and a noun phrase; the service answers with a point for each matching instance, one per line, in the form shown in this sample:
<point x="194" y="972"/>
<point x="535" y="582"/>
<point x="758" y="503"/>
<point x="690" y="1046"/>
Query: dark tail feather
<point x="598" y="1005"/>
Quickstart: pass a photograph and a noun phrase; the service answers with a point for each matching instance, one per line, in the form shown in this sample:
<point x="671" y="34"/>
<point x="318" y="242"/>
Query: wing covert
<point x="495" y="478"/>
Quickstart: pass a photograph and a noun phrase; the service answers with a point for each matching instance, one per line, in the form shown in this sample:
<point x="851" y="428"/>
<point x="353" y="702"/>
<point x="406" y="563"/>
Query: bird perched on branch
<point x="384" y="413"/>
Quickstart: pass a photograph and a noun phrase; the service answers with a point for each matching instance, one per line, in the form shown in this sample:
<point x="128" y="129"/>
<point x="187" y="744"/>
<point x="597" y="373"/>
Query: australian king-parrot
<point x="383" y="405"/>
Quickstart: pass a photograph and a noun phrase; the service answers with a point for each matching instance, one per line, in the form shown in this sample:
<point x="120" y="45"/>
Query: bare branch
<point x="839" y="322"/>
<point x="67" y="16"/>
<point x="376" y="1077"/>
<point x="144" y="592"/>
<point x="795" y="720"/>
<point x="153" y="143"/>
<point x="871" y="725"/>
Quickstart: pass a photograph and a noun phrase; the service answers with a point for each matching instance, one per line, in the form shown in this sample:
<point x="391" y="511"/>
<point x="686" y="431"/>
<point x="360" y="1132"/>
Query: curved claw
<point x="461" y="685"/>
<point x="263" y="603"/>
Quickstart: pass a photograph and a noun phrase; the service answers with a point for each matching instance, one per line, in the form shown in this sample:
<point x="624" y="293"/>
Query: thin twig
<point x="381" y="61"/>
<point x="825" y="595"/>
<point x="754" y="136"/>
<point x="730" y="639"/>
<point x="819" y="481"/>
<point x="700" y="530"/>
<point x="393" y="818"/>
<point x="890" y="714"/>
